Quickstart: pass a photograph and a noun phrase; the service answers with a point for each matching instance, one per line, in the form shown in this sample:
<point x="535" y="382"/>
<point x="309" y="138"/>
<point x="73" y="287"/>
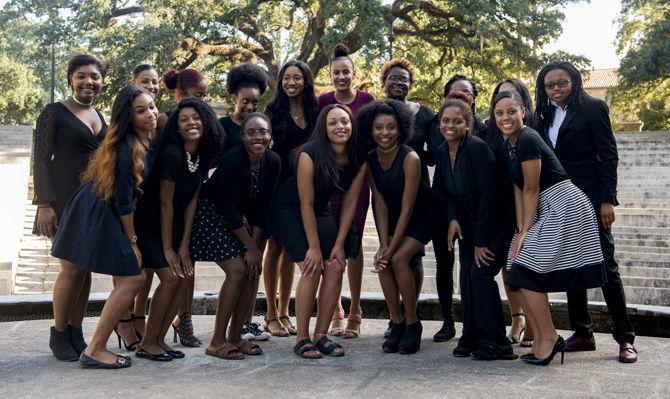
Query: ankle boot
<point x="77" y="338"/>
<point x="395" y="335"/>
<point x="60" y="345"/>
<point x="411" y="338"/>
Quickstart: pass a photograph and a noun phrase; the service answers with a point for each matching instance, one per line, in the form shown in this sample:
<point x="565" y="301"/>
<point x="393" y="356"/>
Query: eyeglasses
<point x="398" y="79"/>
<point x="557" y="84"/>
<point x="262" y="132"/>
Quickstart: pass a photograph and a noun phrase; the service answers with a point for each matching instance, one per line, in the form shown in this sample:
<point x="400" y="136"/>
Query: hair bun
<point x="340" y="50"/>
<point x="170" y="79"/>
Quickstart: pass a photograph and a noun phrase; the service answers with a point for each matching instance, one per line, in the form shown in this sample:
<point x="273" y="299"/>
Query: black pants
<point x="483" y="320"/>
<point x="580" y="318"/>
<point x="444" y="274"/>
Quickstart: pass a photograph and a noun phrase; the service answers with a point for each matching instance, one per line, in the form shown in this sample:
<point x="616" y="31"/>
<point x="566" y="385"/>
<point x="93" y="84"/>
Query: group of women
<point x="294" y="183"/>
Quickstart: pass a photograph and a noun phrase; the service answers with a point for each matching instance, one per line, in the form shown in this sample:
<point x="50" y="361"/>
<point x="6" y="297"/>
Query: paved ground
<point x="27" y="369"/>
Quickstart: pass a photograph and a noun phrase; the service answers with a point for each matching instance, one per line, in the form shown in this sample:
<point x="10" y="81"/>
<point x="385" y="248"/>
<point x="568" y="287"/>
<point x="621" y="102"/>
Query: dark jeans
<point x="483" y="320"/>
<point x="580" y="318"/>
<point x="444" y="274"/>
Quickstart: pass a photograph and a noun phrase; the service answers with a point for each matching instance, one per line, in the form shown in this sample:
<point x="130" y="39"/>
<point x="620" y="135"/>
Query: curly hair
<point x="463" y="106"/>
<point x="244" y="75"/>
<point x="101" y="170"/>
<point x="401" y="112"/>
<point x="544" y="113"/>
<point x="213" y="135"/>
<point x="400" y="63"/>
<point x="278" y="108"/>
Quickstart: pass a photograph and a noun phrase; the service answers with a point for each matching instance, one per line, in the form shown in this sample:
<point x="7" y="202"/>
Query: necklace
<point x="390" y="150"/>
<point x="83" y="104"/>
<point x="192" y="166"/>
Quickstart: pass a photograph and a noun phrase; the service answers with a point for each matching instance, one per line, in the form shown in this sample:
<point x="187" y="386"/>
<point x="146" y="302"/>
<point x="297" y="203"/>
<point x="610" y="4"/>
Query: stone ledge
<point x="648" y="320"/>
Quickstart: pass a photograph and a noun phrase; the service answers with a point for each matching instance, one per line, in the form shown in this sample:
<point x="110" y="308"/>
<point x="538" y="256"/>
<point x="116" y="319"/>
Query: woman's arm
<point x="45" y="193"/>
<point x="167" y="218"/>
<point x="189" y="217"/>
<point x="381" y="222"/>
<point x="349" y="202"/>
<point x="529" y="197"/>
<point x="412" y="172"/>
<point x="313" y="262"/>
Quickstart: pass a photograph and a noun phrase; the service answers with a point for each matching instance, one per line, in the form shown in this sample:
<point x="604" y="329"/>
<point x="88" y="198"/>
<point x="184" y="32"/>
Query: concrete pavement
<point x="27" y="369"/>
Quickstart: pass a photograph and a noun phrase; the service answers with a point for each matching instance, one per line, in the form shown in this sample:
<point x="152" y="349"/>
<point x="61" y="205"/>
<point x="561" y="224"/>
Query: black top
<point x="233" y="133"/>
<point x="241" y="193"/>
<point x="287" y="195"/>
<point x="530" y="146"/>
<point x="470" y="189"/>
<point x="62" y="147"/>
<point x="436" y="139"/>
<point x="420" y="140"/>
<point x="125" y="192"/>
<point x="587" y="149"/>
<point x="286" y="137"/>
<point x="391" y="185"/>
<point x="171" y="165"/>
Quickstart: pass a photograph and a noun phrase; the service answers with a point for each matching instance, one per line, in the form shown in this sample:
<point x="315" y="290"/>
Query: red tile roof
<point x="600" y="78"/>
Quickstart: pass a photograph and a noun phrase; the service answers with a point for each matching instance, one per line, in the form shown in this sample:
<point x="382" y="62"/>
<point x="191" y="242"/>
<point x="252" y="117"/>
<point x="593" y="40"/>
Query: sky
<point x="590" y="29"/>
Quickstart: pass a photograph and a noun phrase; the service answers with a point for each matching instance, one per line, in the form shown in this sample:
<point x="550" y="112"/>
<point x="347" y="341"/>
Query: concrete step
<point x="661" y="252"/>
<point x="640" y="271"/>
<point x="663" y="260"/>
<point x="661" y="283"/>
<point x="636" y="260"/>
<point x="637" y="295"/>
<point x="621" y="228"/>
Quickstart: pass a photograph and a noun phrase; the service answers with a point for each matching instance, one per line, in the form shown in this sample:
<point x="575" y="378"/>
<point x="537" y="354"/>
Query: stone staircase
<point x="642" y="234"/>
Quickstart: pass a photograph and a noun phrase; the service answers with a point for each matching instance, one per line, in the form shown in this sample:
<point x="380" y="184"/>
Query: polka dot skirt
<point x="211" y="241"/>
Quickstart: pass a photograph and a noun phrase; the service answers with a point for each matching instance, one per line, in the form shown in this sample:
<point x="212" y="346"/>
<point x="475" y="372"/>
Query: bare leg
<point x="391" y="294"/>
<point x="537" y="308"/>
<point x="140" y="305"/>
<point x="79" y="310"/>
<point x="417" y="270"/>
<point x="286" y="273"/>
<point x="68" y="291"/>
<point x="125" y="289"/>
<point x="235" y="270"/>
<point x="355" y="276"/>
<point x="270" y="269"/>
<point x="331" y="287"/>
<point x="514" y="301"/>
<point x="182" y="288"/>
<point x="247" y="296"/>
<point x="305" y="297"/>
<point x="405" y="277"/>
<point x="164" y="296"/>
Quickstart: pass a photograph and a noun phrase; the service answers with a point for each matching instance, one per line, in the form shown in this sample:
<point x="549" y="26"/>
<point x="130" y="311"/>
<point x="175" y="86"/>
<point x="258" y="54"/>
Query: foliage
<point x="487" y="40"/>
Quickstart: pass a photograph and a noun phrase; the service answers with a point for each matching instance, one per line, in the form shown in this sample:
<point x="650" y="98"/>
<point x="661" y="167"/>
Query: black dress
<point x="62" y="147"/>
<point x="90" y="233"/>
<point x="391" y="184"/>
<point x="421" y="136"/>
<point x="286" y="137"/>
<point x="233" y="133"/>
<point x="237" y="197"/>
<point x="171" y="166"/>
<point x="287" y="218"/>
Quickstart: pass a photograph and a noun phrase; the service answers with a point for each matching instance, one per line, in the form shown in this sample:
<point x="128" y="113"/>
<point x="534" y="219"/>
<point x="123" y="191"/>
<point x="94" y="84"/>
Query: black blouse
<point x="420" y="140"/>
<point x="240" y="194"/>
<point x="62" y="148"/>
<point x="529" y="146"/>
<point x="233" y="133"/>
<point x="286" y="137"/>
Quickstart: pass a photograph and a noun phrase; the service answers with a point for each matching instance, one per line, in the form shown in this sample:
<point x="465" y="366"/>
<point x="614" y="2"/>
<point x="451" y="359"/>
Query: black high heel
<point x="134" y="317"/>
<point x="559" y="346"/>
<point x="130" y="347"/>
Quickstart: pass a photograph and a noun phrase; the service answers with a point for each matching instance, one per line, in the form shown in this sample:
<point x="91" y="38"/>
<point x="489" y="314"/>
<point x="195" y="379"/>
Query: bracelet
<point x="517" y="230"/>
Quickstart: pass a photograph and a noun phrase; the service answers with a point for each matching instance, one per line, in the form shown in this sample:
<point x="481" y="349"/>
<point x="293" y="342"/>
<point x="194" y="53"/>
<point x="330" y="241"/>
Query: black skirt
<point x="211" y="241"/>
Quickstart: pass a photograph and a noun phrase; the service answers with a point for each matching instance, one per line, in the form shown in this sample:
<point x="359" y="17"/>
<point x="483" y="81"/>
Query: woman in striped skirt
<point x="556" y="247"/>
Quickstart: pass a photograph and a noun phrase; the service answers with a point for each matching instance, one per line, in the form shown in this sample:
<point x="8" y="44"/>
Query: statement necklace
<point x="390" y="150"/>
<point x="192" y="166"/>
<point x="83" y="104"/>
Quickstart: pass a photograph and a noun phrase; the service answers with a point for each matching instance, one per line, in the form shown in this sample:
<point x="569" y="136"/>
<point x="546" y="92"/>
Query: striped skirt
<point x="562" y="249"/>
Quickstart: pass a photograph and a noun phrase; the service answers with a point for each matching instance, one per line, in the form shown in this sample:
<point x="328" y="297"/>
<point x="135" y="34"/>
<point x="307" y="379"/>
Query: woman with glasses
<point x="235" y="226"/>
<point x="577" y="127"/>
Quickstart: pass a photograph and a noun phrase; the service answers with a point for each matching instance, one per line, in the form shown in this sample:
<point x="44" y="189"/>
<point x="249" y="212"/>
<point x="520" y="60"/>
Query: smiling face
<point x="464" y="87"/>
<point x="86" y="82"/>
<point x="385" y="131"/>
<point x="145" y="114"/>
<point x="149" y="80"/>
<point x="558" y="86"/>
<point x="509" y="116"/>
<point x="293" y="82"/>
<point x="256" y="136"/>
<point x="342" y="74"/>
<point x="246" y="101"/>
<point x="453" y="124"/>
<point x="190" y="125"/>
<point x="338" y="126"/>
<point x="397" y="83"/>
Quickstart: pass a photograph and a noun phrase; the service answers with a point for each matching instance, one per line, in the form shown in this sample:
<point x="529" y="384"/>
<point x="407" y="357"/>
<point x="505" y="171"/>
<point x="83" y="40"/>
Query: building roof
<point x="600" y="78"/>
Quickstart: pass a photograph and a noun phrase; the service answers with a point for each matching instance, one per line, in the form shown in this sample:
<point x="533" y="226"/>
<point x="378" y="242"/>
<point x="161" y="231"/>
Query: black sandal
<point x="304" y="346"/>
<point x="327" y="346"/>
<point x="512" y="339"/>
<point x="131" y="346"/>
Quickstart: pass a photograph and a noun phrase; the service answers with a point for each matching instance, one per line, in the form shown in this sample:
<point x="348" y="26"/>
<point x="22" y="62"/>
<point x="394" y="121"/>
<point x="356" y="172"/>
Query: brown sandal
<point x="353" y="329"/>
<point x="286" y="322"/>
<point x="245" y="346"/>
<point x="336" y="327"/>
<point x="226" y="351"/>
<point x="275" y="327"/>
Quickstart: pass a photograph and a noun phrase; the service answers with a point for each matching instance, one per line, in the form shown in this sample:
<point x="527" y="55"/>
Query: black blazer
<point x="233" y="182"/>
<point x="587" y="149"/>
<point x="475" y="173"/>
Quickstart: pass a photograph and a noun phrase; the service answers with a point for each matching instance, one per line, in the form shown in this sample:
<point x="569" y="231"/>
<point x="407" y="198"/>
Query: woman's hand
<point x="453" y="232"/>
<point x="138" y="255"/>
<point x="185" y="260"/>
<point x="381" y="260"/>
<point x="173" y="261"/>
<point x="517" y="244"/>
<point x="483" y="257"/>
<point x="607" y="216"/>
<point x="254" y="259"/>
<point x="313" y="263"/>
<point x="47" y="221"/>
<point x="338" y="255"/>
